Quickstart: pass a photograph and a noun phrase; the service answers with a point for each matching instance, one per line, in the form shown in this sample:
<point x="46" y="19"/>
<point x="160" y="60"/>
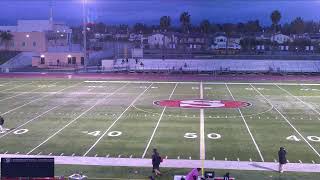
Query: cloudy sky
<point x="149" y="11"/>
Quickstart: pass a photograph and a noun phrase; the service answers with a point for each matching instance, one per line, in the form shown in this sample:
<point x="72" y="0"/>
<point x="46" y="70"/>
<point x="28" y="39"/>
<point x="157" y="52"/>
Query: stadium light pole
<point x="84" y="19"/>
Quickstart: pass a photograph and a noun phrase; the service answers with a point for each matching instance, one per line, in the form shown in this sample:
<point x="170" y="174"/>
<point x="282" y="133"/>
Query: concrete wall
<point x="223" y="65"/>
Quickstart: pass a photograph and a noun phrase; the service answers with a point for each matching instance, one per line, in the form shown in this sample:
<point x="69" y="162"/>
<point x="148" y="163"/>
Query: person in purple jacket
<point x="193" y="175"/>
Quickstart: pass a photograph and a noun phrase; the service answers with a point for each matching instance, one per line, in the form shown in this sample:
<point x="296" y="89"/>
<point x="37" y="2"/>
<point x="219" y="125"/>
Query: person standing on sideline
<point x="282" y="158"/>
<point x="193" y="175"/>
<point x="156" y="160"/>
<point x="1" y="124"/>
<point x="226" y="176"/>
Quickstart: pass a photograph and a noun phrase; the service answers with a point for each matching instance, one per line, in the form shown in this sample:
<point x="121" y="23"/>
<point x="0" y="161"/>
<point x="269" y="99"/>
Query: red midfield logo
<point x="202" y="103"/>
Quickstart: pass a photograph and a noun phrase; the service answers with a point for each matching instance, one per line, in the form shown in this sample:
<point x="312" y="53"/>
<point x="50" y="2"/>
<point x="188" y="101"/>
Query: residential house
<point x="158" y="40"/>
<point x="280" y="38"/>
<point x="193" y="42"/>
<point x="220" y="42"/>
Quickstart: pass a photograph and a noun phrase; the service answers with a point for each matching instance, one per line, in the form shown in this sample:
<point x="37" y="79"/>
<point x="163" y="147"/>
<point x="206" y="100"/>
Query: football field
<point x="183" y="120"/>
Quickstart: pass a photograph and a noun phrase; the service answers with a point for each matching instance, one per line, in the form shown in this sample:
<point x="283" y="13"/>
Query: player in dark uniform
<point x="282" y="158"/>
<point x="1" y="124"/>
<point x="156" y="160"/>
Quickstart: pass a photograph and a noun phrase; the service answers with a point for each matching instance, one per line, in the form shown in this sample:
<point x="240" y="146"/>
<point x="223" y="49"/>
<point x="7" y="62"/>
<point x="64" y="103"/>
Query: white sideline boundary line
<point x="22" y="93"/>
<point x="172" y="163"/>
<point x="155" y="129"/>
<point x="245" y="122"/>
<point x="316" y="152"/>
<point x="29" y="121"/>
<point x="39" y="98"/>
<point x="15" y="87"/>
<point x="303" y="102"/>
<point x="75" y="119"/>
<point x="202" y="139"/>
<point x="197" y="82"/>
<point x="114" y="122"/>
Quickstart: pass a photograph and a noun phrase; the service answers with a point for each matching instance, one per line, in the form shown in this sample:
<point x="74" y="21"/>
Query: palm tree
<point x="205" y="26"/>
<point x="165" y="22"/>
<point x="275" y="18"/>
<point x="185" y="21"/>
<point x="298" y="25"/>
<point x="228" y="28"/>
<point x="6" y="38"/>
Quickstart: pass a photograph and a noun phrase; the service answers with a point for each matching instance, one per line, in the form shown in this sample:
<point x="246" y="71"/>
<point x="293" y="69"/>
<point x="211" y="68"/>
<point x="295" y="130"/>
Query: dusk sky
<point x="149" y="11"/>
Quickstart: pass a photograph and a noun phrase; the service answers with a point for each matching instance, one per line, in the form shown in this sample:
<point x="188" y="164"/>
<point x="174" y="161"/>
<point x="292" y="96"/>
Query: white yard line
<point x="114" y="122"/>
<point x="317" y="153"/>
<point x="202" y="139"/>
<point x="155" y="129"/>
<point x="94" y="105"/>
<point x="39" y="99"/>
<point x="5" y="83"/>
<point x="195" y="82"/>
<point x="245" y="122"/>
<point x="307" y="104"/>
<point x="29" y="121"/>
<point x="22" y="93"/>
<point x="15" y="87"/>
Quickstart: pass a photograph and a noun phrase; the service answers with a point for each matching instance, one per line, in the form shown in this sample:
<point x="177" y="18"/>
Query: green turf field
<point x="119" y="119"/>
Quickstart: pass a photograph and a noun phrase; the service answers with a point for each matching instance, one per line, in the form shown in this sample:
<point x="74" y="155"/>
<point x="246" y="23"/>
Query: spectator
<point x="156" y="160"/>
<point x="193" y="174"/>
<point x="226" y="176"/>
<point x="1" y="124"/>
<point x="282" y="158"/>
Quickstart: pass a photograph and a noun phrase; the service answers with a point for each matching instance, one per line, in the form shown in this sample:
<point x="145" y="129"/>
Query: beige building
<point x="29" y="41"/>
<point x="58" y="59"/>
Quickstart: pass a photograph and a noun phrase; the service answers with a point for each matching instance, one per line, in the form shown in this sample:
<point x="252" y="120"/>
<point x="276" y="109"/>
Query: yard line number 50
<point x="210" y="136"/>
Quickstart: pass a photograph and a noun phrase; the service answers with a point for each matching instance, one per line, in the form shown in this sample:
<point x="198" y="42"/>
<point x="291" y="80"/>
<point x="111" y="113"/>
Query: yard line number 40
<point x="310" y="138"/>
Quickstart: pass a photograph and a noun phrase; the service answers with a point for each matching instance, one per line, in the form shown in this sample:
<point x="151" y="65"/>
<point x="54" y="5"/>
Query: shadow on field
<point x="263" y="167"/>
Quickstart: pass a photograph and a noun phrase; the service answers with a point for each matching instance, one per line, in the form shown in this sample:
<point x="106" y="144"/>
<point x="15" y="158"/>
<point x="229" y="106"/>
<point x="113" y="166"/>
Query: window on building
<point x="23" y="44"/>
<point x="34" y="44"/>
<point x="82" y="60"/>
<point x="42" y="60"/>
<point x="69" y="60"/>
<point x="74" y="60"/>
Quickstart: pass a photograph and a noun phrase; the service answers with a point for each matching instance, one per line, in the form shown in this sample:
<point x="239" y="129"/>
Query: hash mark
<point x="119" y="156"/>
<point x="313" y="162"/>
<point x="50" y="154"/>
<point x="190" y="157"/>
<point x="275" y="160"/>
<point x="6" y="152"/>
<point x="61" y="154"/>
<point x="166" y="157"/>
<point x="238" y="159"/>
<point x="288" y="161"/>
<point x="131" y="156"/>
<point x="300" y="161"/>
<point x="73" y="154"/>
<point x="178" y="157"/>
<point x="213" y="158"/>
<point x="107" y="156"/>
<point x="226" y="159"/>
<point x="17" y="152"/>
<point x="96" y="155"/>
<point x="39" y="153"/>
<point x="250" y="160"/>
